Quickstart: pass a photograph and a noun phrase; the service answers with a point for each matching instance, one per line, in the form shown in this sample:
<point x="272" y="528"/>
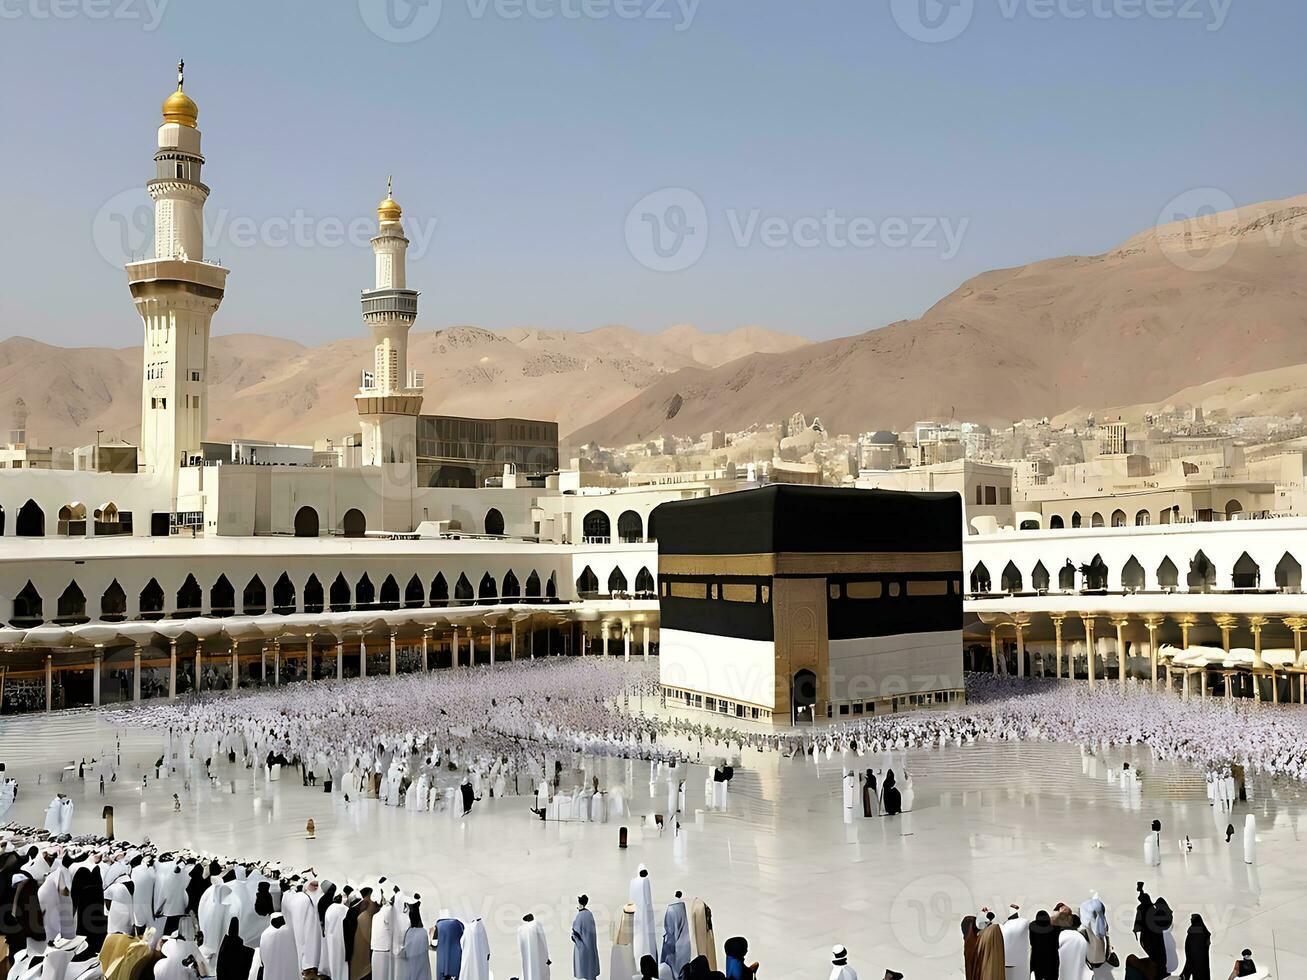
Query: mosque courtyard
<point x="992" y="824"/>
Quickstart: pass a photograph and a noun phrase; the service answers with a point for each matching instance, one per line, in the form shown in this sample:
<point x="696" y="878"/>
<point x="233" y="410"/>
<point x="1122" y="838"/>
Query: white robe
<point x="845" y="972"/>
<point x="66" y="818"/>
<point x="382" y="961"/>
<point x="279" y="955"/>
<point x="476" y="952"/>
<point x="120" y="908"/>
<point x="334" y="961"/>
<point x="645" y="941"/>
<point x="1071" y="951"/>
<point x="1016" y="948"/>
<point x="301" y="914"/>
<point x="54" y="816"/>
<point x="1250" y="840"/>
<point x="535" y="951"/>
<point x="143" y="895"/>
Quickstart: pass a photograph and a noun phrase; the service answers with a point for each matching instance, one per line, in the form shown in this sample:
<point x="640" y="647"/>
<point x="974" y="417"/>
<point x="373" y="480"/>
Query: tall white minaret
<point x="176" y="293"/>
<point x="390" y="398"/>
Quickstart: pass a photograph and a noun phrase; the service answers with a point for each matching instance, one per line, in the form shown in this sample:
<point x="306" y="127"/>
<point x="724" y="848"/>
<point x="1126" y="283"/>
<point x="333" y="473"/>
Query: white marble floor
<point x="992" y="824"/>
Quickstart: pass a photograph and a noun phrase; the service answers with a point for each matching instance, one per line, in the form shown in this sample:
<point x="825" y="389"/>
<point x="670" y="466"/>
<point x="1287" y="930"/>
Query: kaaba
<point x="796" y="603"/>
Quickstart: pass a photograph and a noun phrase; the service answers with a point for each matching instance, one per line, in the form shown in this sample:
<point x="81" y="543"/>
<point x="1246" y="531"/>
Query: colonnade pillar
<point x="607" y="636"/>
<point x="993" y="649"/>
<point x="393" y="656"/>
<point x="172" y="669"/>
<point x="363" y="655"/>
<point x="1153" y="623"/>
<point x="426" y="644"/>
<point x="1120" y="625"/>
<point x="1057" y="643"/>
<point x="276" y="663"/>
<point x="1089" y="649"/>
<point x="136" y="674"/>
<point x="454" y="642"/>
<point x="494" y="645"/>
<point x="263" y="662"/>
<point x="646" y="643"/>
<point x="199" y="666"/>
<point x="235" y="666"/>
<point x="49" y="682"/>
<point x="512" y="640"/>
<point x="1021" y="625"/>
<point x="308" y="657"/>
<point x="340" y="659"/>
<point x="95" y="679"/>
<point x="626" y="644"/>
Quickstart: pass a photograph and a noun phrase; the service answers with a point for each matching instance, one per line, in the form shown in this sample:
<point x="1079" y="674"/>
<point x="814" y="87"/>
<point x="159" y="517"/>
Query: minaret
<point x="389" y="399"/>
<point x="176" y="293"/>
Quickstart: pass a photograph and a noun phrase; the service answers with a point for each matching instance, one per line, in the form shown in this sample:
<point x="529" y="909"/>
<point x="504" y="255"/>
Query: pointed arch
<point x="494" y="522"/>
<point x="1132" y="576"/>
<point x="644" y="582"/>
<point x="1247" y="574"/>
<point x="533" y="585"/>
<point x="31" y="521"/>
<point x="551" y="586"/>
<point x="511" y="589"/>
<point x="1168" y="576"/>
<point x="340" y="595"/>
<point x="1095" y="575"/>
<point x="113" y="603"/>
<point x="71" y="608"/>
<point x="1202" y="574"/>
<point x="463" y="594"/>
<point x="28" y="607"/>
<point x="1039" y="578"/>
<point x="415" y="596"/>
<point x="1118" y="518"/>
<point x="254" y="598"/>
<point x="313" y="596"/>
<point x="596" y="528"/>
<point x="587" y="583"/>
<point x="1056" y="523"/>
<point x="616" y="581"/>
<point x="439" y="590"/>
<point x="1076" y="519"/>
<point x="353" y="524"/>
<point x="389" y="593"/>
<point x="1143" y="519"/>
<point x="1232" y="510"/>
<point x="152" y="600"/>
<point x="190" y="598"/>
<point x="1066" y="577"/>
<point x="365" y="593"/>
<point x="1096" y="520"/>
<point x="1010" y="580"/>
<point x="283" y="595"/>
<point x="980" y="581"/>
<point x="487" y="591"/>
<point x="630" y="527"/>
<point x="222" y="598"/>
<point x="1288" y="574"/>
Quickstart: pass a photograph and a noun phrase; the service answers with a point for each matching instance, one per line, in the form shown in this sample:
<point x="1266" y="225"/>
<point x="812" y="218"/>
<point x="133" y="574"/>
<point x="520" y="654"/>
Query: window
<point x="1005" y="495"/>
<point x="195" y="375"/>
<point x="980" y="494"/>
<point x="991" y="495"/>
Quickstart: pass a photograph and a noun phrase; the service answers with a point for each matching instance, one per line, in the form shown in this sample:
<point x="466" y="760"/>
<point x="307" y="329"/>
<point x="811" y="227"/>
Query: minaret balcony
<point x="202" y="277"/>
<point x="390" y="302"/>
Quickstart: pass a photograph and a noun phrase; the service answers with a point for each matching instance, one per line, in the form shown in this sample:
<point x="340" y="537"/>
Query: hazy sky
<point x="815" y="167"/>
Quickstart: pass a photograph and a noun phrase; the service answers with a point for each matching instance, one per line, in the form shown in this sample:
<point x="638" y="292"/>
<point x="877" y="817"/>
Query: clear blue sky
<point x="528" y="140"/>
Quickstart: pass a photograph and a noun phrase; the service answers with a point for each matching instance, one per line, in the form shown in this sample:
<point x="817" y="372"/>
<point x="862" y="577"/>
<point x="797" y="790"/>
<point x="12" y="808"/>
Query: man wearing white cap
<point x="641" y="895"/>
<point x="840" y="969"/>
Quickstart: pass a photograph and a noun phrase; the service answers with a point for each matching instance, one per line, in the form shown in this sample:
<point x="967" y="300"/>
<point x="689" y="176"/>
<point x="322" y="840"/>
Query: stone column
<point x="95" y="677"/>
<point x="276" y="663"/>
<point x="1255" y="623"/>
<point x="993" y="649"/>
<point x="393" y="657"/>
<point x="608" y="635"/>
<point x="263" y="662"/>
<point x="49" y="682"/>
<point x="1226" y="623"/>
<point x="494" y="644"/>
<point x="1021" y="625"/>
<point x="308" y="658"/>
<point x="646" y="643"/>
<point x="136" y="674"/>
<point x="1120" y="625"/>
<point x="340" y="659"/>
<point x="471" y="648"/>
<point x="1186" y="683"/>
<point x="512" y="640"/>
<point x="1089" y="649"/>
<point x="1057" y="643"/>
<point x="626" y="650"/>
<point x="454" y="648"/>
<point x="172" y="669"/>
<point x="235" y="666"/>
<point x="363" y="655"/>
<point x="426" y="648"/>
<point x="1153" y="623"/>
<point x="199" y="666"/>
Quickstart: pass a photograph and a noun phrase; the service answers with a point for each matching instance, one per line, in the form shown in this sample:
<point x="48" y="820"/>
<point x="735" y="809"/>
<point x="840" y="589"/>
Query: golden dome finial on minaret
<point x="388" y="212"/>
<point x="179" y="107"/>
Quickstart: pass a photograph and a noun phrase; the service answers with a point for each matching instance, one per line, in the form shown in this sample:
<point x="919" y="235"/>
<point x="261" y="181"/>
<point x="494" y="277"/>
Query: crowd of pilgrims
<point x="92" y="908"/>
<point x="1076" y="944"/>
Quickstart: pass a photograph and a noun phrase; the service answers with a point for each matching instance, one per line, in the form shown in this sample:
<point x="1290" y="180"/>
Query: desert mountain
<point x="270" y="388"/>
<point x="1176" y="306"/>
